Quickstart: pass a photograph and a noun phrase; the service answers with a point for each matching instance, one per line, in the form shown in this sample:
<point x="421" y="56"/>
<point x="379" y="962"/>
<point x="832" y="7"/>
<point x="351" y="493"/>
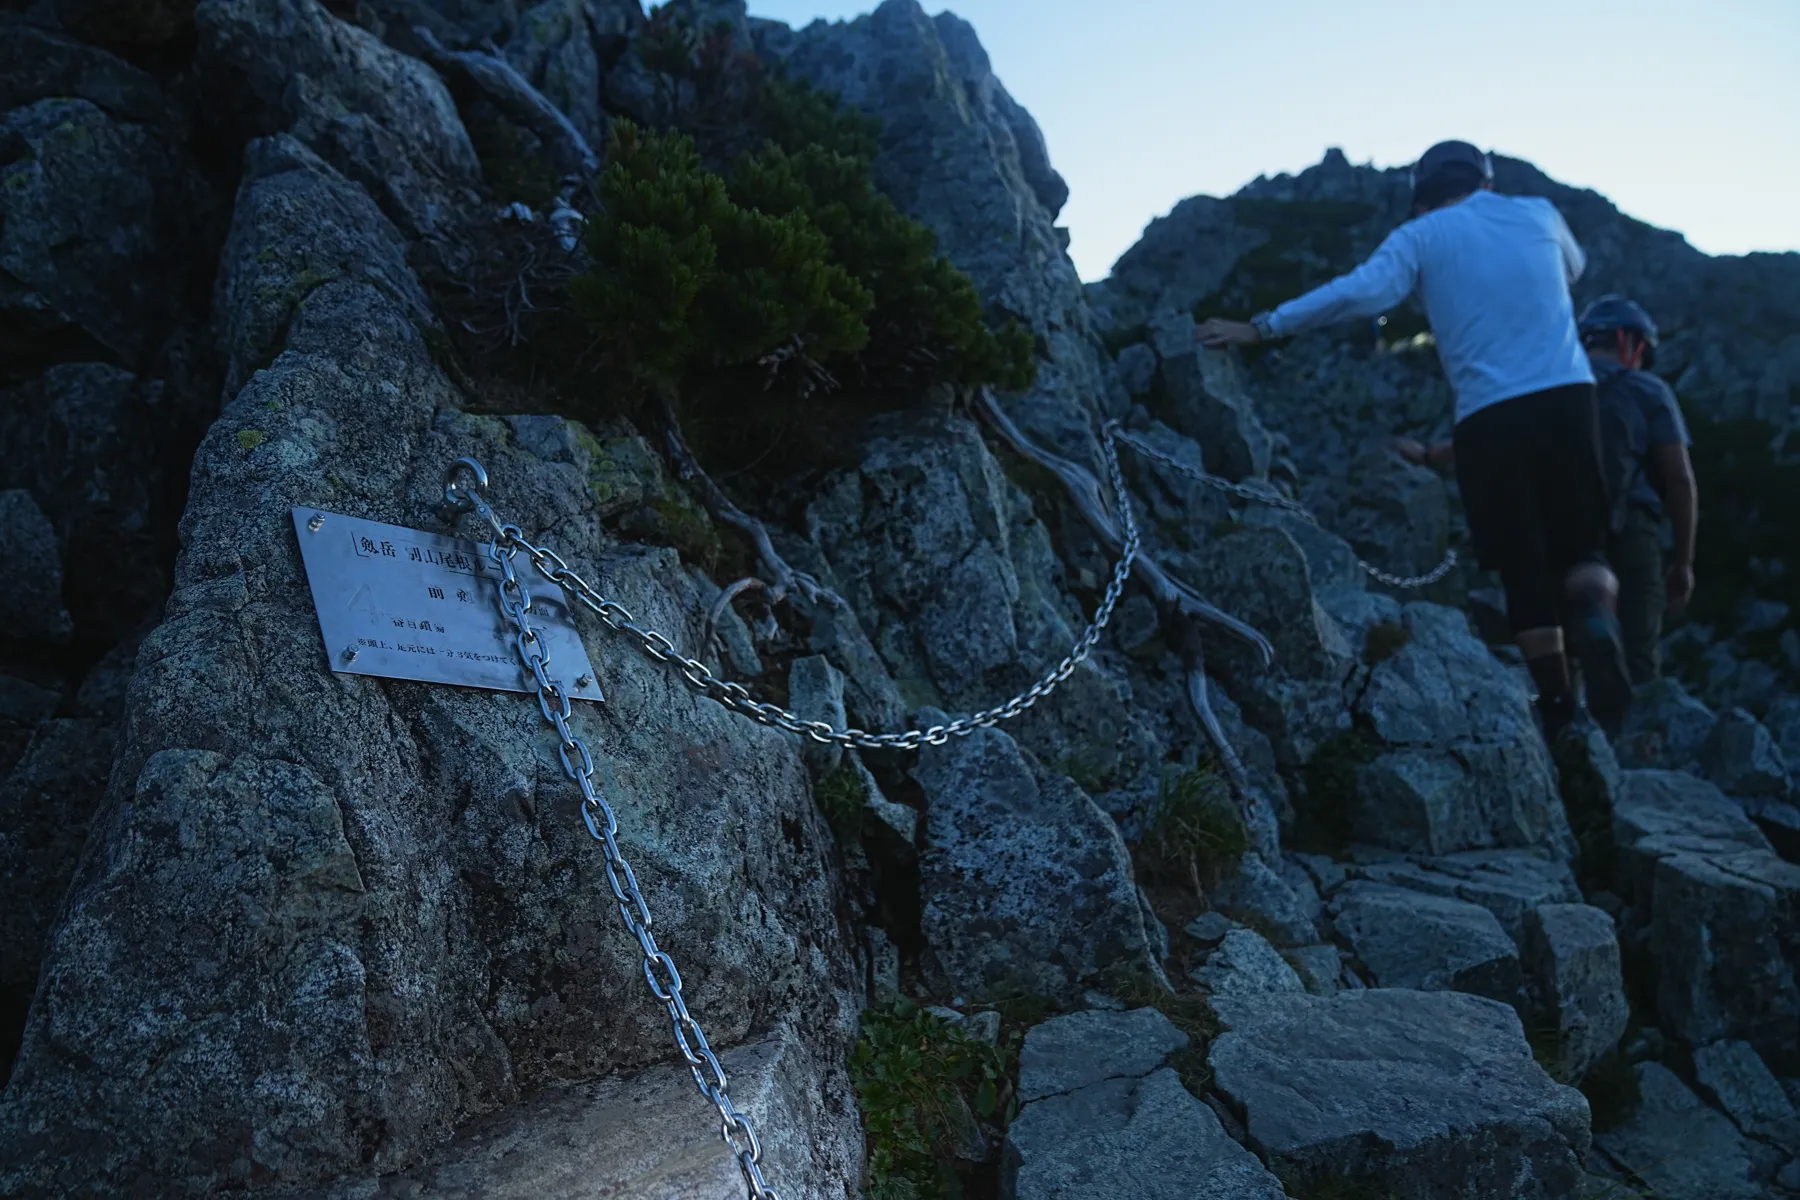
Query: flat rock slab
<point x="1425" y="1094"/>
<point x="1508" y="883"/>
<point x="1678" y="1146"/>
<point x="1410" y="939"/>
<point x="649" y="1136"/>
<point x="1075" y="1051"/>
<point x="1104" y="1119"/>
<point x="1740" y="1082"/>
<point x="1129" y="1139"/>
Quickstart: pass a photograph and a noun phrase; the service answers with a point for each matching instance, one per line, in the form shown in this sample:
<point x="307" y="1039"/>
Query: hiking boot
<point x="1587" y="778"/>
<point x="1557" y="715"/>
<point x="1599" y="645"/>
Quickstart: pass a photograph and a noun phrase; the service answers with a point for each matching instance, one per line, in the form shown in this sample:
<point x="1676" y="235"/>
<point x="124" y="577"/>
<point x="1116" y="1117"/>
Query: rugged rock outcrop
<point x="408" y="855"/>
<point x="270" y="928"/>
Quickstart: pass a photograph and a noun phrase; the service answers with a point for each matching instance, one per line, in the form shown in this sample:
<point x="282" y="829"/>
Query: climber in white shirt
<point x="1494" y="272"/>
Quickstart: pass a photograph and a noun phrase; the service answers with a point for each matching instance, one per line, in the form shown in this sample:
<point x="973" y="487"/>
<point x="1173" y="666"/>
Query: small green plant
<point x="923" y="1084"/>
<point x="841" y="796"/>
<point x="1325" y="816"/>
<point x="796" y="256"/>
<point x="1087" y="768"/>
<point x="1195" y="834"/>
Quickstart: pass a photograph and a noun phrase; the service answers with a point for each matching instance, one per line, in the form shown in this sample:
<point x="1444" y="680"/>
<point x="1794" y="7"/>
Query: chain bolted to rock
<point x="660" y="973"/>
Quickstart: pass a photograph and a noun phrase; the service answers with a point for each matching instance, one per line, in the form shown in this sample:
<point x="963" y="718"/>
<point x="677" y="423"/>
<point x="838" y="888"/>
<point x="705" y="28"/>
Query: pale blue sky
<point x="1685" y="114"/>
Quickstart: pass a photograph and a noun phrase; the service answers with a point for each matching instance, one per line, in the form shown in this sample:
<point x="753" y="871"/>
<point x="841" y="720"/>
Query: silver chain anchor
<point x="514" y="599"/>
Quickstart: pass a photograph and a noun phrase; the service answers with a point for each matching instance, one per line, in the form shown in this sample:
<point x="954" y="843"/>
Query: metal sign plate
<point x="405" y="604"/>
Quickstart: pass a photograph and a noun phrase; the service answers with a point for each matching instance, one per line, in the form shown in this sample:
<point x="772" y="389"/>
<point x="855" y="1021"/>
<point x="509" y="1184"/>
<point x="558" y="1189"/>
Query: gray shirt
<point x="1663" y="425"/>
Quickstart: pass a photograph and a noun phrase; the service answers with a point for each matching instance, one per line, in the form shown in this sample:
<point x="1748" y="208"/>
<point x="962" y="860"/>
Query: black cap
<point x="1446" y="154"/>
<point x="1616" y="312"/>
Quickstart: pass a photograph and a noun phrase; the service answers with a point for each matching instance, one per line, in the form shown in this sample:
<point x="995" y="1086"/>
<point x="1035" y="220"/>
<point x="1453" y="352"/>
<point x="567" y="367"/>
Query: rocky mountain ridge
<point x="277" y="930"/>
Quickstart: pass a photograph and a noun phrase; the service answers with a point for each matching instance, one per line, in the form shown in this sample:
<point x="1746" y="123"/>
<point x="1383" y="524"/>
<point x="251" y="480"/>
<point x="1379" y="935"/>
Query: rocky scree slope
<point x="276" y="930"/>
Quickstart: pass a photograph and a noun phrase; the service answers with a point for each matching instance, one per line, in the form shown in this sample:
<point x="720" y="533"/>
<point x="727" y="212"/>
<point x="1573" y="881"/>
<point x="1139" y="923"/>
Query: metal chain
<point x="514" y="599"/>
<point x="737" y="698"/>
<point x="1274" y="500"/>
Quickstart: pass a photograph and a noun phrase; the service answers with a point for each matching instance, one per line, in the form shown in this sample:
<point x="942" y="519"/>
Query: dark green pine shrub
<point x="695" y="274"/>
<point x="685" y="278"/>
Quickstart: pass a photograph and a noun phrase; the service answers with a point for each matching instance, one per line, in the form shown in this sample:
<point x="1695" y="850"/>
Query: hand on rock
<point x="1215" y="332"/>
<point x="1411" y="449"/>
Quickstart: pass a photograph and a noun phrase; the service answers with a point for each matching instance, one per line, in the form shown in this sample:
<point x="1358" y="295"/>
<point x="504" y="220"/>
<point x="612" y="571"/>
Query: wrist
<point x="1264" y="324"/>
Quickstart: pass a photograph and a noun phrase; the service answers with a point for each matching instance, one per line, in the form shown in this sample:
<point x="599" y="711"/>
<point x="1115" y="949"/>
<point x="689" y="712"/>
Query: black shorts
<point x="1534" y="492"/>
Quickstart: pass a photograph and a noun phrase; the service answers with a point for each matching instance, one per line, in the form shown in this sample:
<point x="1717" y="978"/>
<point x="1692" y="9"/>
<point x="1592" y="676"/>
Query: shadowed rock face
<point x="351" y="913"/>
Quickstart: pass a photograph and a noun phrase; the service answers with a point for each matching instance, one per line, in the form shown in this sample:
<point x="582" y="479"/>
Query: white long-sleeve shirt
<point x="1494" y="272"/>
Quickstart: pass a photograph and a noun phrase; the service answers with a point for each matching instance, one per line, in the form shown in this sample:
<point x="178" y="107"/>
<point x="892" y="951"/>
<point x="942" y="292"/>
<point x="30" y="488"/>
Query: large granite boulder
<point x="1103" y="1117"/>
<point x="1576" y="984"/>
<point x="1742" y="758"/>
<point x="327" y="919"/>
<point x="1407" y="939"/>
<point x="946" y="566"/>
<point x="646" y="1135"/>
<point x="1418" y="1094"/>
<point x="1714" y="906"/>
<point x="1206" y="400"/>
<point x="1026" y="885"/>
<point x="94" y="445"/>
<point x="1245" y="964"/>
<point x="1460" y="764"/>
<point x="1665" y="728"/>
<point x="1735" y="1077"/>
<point x="96" y="209"/>
<point x="382" y="118"/>
<point x="1260" y="575"/>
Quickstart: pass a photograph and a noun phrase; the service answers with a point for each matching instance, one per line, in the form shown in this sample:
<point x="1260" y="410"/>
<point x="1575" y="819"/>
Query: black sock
<point x="1550" y="673"/>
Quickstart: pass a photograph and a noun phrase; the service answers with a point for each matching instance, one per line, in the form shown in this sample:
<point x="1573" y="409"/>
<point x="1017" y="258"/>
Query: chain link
<point x="1275" y="500"/>
<point x="660" y="973"/>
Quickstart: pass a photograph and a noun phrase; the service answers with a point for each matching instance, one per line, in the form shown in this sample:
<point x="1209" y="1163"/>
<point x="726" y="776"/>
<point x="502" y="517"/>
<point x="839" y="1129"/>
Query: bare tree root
<point x="1085" y="491"/>
<point x="1253" y="803"/>
<point x="1177" y="602"/>
<point x="523" y="104"/>
<point x="782" y="580"/>
<point x="710" y="638"/>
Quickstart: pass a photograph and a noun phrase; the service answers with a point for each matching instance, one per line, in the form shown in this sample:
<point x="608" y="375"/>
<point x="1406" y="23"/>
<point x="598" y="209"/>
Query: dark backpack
<point x="1624" y="441"/>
